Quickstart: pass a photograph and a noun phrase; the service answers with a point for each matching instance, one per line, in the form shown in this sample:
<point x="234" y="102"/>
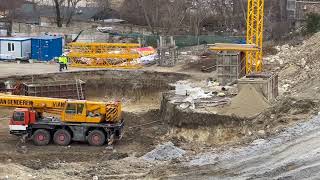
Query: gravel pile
<point x="164" y="152"/>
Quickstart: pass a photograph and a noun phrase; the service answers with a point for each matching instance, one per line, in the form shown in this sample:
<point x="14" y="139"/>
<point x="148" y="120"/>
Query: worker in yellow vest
<point x="63" y="61"/>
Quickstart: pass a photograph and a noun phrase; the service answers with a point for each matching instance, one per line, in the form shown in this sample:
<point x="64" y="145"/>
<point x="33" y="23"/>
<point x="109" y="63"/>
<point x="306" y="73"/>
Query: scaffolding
<point x="103" y="55"/>
<point x="167" y="52"/>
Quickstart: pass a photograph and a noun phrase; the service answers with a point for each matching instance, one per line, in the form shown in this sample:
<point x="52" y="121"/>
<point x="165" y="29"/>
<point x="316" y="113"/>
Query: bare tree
<point x="58" y="4"/>
<point x="151" y="13"/>
<point x="9" y="7"/>
<point x="199" y="11"/>
<point x="175" y="16"/>
<point x="103" y="4"/>
<point x="71" y="10"/>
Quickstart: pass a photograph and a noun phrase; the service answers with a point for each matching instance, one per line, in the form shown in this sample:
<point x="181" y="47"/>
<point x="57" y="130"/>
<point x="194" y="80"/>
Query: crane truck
<point x="78" y="120"/>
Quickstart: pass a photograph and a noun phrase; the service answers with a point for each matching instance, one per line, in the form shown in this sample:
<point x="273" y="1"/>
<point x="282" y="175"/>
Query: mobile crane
<point x="80" y="120"/>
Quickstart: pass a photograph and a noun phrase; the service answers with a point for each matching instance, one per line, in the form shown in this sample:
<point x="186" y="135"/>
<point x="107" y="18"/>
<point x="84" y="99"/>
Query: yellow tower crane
<point x="255" y="28"/>
<point x="254" y="38"/>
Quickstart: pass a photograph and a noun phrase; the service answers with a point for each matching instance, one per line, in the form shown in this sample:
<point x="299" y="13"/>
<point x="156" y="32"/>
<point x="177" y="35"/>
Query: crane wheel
<point x="62" y="137"/>
<point x="96" y="138"/>
<point x="41" y="137"/>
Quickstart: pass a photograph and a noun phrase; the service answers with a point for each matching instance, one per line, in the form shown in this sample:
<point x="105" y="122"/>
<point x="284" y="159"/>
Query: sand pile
<point x="247" y="103"/>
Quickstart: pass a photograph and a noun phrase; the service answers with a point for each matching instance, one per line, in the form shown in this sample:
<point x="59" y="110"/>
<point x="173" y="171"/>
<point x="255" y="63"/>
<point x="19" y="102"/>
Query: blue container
<point x="46" y="48"/>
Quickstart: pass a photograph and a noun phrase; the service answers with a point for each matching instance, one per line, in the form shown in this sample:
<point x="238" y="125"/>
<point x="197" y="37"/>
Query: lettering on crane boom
<point x="26" y="103"/>
<point x="58" y="105"/>
<point x="16" y="102"/>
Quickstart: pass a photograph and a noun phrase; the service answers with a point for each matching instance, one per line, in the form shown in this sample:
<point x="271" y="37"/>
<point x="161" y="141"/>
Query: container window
<point x="10" y="47"/>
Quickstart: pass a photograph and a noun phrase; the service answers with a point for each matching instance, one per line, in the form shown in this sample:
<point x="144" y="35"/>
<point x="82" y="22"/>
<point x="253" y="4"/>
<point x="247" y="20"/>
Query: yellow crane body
<point x="76" y="111"/>
<point x="255" y="24"/>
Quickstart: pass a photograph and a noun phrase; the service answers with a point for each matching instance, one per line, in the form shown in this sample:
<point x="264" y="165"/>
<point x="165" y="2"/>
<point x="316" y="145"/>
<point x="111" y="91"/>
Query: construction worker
<point x="63" y="60"/>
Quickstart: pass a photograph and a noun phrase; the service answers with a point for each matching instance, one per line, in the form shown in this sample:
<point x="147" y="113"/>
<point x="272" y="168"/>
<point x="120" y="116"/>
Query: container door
<point x="35" y="49"/>
<point x="45" y="49"/>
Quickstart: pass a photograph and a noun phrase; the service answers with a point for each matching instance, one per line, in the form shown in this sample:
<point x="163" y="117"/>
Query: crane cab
<point x="78" y="111"/>
<point x="21" y="119"/>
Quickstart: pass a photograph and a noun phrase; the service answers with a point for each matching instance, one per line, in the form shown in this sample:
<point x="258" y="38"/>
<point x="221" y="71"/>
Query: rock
<point x="221" y="94"/>
<point x="9" y="160"/>
<point x="261" y="132"/>
<point x="109" y="148"/>
<point x="95" y="178"/>
<point x="258" y="141"/>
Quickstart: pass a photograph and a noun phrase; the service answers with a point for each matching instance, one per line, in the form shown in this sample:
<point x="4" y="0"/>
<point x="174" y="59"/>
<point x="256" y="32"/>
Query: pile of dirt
<point x="164" y="152"/>
<point x="298" y="67"/>
<point x="288" y="110"/>
<point x="247" y="103"/>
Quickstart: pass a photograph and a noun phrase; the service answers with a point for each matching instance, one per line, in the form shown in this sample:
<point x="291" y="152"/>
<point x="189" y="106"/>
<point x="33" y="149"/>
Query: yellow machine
<point x="253" y="48"/>
<point x="79" y="120"/>
<point x="103" y="55"/>
<point x="77" y="111"/>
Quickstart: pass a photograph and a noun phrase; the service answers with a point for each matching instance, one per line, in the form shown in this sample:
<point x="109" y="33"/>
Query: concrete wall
<point x="76" y="27"/>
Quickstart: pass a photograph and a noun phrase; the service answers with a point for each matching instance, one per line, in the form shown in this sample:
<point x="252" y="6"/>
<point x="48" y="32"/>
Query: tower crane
<point x="254" y="38"/>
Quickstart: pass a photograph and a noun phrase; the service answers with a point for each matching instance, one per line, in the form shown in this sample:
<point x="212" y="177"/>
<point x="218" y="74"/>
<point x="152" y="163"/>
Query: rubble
<point x="164" y="152"/>
<point x="298" y="67"/>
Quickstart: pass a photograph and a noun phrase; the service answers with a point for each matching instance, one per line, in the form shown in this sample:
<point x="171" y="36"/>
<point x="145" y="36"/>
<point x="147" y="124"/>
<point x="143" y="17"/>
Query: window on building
<point x="10" y="47"/>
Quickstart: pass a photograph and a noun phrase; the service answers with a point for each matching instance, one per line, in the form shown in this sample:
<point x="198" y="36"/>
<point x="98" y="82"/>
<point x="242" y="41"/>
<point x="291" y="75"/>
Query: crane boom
<point x="31" y="102"/>
<point x="70" y="110"/>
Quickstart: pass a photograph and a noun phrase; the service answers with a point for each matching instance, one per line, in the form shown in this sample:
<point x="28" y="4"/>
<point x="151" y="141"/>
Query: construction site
<point x="132" y="110"/>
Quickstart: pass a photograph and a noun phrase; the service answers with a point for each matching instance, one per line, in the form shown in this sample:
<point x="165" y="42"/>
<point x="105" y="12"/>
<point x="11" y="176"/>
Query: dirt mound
<point x="247" y="103"/>
<point x="299" y="67"/>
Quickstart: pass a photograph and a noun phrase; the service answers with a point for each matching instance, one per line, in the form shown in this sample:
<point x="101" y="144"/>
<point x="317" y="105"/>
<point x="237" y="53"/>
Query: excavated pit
<point x="142" y="92"/>
<point x="132" y="87"/>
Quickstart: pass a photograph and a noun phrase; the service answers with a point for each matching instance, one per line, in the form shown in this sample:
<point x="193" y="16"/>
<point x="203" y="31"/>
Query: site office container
<point x="46" y="48"/>
<point x="15" y="48"/>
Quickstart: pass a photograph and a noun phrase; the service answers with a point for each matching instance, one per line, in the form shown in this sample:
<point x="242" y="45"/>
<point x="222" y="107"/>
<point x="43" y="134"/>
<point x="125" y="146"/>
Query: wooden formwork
<point x="230" y="67"/>
<point x="264" y="83"/>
